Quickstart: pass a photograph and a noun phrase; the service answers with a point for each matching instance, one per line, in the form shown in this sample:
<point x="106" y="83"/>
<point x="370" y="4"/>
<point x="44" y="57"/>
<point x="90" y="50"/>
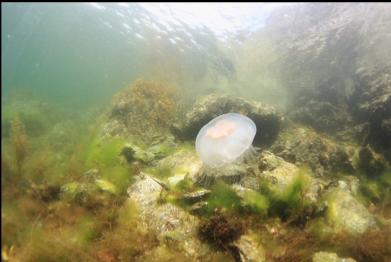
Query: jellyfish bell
<point x="225" y="141"/>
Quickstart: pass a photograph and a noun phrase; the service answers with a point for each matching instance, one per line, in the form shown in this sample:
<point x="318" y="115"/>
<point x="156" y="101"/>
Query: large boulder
<point x="303" y="146"/>
<point x="267" y="120"/>
<point x="171" y="224"/>
<point x="282" y="174"/>
<point x="371" y="104"/>
<point x="250" y="250"/>
<point x="324" y="117"/>
<point x="346" y="214"/>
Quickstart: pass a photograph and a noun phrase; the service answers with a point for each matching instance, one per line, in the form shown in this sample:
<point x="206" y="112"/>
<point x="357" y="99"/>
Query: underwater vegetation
<point x="168" y="171"/>
<point x="146" y="106"/>
<point x="19" y="140"/>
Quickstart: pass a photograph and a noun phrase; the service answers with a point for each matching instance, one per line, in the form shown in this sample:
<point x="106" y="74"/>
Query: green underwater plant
<point x="104" y="153"/>
<point x="19" y="141"/>
<point x="147" y="108"/>
<point x="290" y="201"/>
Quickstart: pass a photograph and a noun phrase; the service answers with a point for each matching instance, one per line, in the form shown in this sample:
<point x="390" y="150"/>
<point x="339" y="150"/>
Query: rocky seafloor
<point x="307" y="195"/>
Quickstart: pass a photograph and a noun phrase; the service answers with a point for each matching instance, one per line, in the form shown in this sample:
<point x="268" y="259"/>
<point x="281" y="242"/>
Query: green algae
<point x="104" y="153"/>
<point x="256" y="202"/>
<point x="223" y="198"/>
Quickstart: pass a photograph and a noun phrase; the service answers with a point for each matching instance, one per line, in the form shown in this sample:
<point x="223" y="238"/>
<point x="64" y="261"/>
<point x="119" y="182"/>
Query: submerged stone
<point x="303" y="146"/>
<point x="250" y="250"/>
<point x="172" y="225"/>
<point x="370" y="162"/>
<point x="135" y="153"/>
<point x="329" y="257"/>
<point x="347" y="214"/>
<point x="106" y="186"/>
<point x="267" y="120"/>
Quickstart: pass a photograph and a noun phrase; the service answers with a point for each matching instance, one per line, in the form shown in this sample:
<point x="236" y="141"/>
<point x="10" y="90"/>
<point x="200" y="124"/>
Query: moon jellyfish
<point x="224" y="142"/>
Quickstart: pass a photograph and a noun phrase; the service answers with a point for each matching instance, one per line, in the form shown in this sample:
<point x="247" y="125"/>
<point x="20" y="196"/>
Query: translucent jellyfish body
<point x="226" y="139"/>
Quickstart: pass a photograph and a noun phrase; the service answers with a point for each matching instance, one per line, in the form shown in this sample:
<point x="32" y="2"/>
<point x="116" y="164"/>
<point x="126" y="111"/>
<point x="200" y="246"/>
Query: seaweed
<point x="290" y="201"/>
<point x="104" y="153"/>
<point x="220" y="230"/>
<point x="20" y="142"/>
<point x="222" y="198"/>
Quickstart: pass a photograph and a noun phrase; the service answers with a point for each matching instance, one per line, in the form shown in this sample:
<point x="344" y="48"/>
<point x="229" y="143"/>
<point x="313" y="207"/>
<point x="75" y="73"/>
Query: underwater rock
<point x="370" y="162"/>
<point x="113" y="128"/>
<point x="145" y="192"/>
<point x="143" y="110"/>
<point x="277" y="170"/>
<point x="267" y="120"/>
<point x="184" y="163"/>
<point x="371" y="104"/>
<point x="230" y="174"/>
<point x="301" y="145"/>
<point x="281" y="175"/>
<point x="106" y="186"/>
<point x="347" y="214"/>
<point x="196" y="196"/>
<point x="172" y="225"/>
<point x="322" y="116"/>
<point x="329" y="257"/>
<point x="135" y="153"/>
<point x="250" y="249"/>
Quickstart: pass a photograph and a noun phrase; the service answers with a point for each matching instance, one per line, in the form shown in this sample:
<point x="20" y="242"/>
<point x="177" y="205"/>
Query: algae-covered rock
<point x="281" y="175"/>
<point x="277" y="170"/>
<point x="184" y="163"/>
<point x="322" y="116"/>
<point x="266" y="118"/>
<point x="143" y="110"/>
<point x="196" y="196"/>
<point x="370" y="162"/>
<point x="347" y="214"/>
<point x="145" y="192"/>
<point x="106" y="186"/>
<point x="172" y="225"/>
<point x="329" y="257"/>
<point x="371" y="104"/>
<point x="250" y="249"/>
<point x="300" y="145"/>
<point x="135" y="153"/>
<point x="251" y="200"/>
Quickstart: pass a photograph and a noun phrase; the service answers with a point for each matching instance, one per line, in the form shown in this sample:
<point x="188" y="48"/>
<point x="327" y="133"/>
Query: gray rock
<point x="281" y="174"/>
<point x="171" y="224"/>
<point x="211" y="106"/>
<point x="135" y="153"/>
<point x="196" y="196"/>
<point x="183" y="163"/>
<point x="329" y="257"/>
<point x="145" y="193"/>
<point x="275" y="169"/>
<point x="371" y="104"/>
<point x="250" y="249"/>
<point x="303" y="146"/>
<point x="347" y="214"/>
<point x="322" y="116"/>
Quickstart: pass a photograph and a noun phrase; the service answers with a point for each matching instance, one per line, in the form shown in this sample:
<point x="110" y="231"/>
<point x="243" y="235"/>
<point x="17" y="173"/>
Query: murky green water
<point x="102" y="105"/>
